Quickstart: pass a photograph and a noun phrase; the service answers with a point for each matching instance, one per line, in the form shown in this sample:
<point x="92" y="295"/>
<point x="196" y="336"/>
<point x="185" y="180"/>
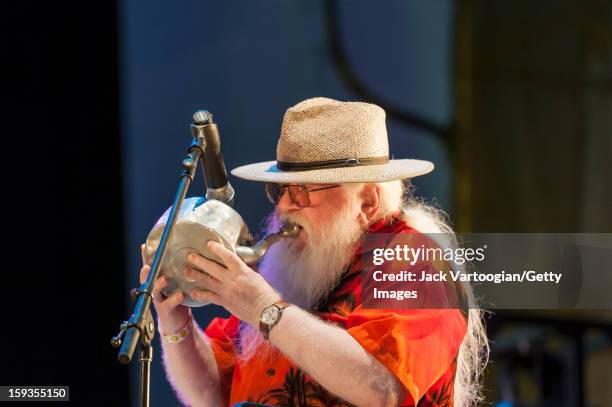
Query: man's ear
<point x="370" y="203"/>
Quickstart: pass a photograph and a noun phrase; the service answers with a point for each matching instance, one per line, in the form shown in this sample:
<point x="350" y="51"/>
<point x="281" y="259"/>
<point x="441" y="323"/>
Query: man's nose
<point x="286" y="204"/>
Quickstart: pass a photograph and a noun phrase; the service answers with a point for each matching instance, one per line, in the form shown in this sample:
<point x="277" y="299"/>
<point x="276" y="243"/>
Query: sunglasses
<point x="299" y="194"/>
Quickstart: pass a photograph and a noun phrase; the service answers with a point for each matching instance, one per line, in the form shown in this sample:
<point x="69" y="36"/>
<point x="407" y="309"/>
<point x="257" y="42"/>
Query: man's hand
<point x="172" y="317"/>
<point x="236" y="287"/>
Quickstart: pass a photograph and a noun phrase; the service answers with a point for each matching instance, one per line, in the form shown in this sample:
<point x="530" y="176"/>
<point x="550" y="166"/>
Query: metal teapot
<point x="200" y="220"/>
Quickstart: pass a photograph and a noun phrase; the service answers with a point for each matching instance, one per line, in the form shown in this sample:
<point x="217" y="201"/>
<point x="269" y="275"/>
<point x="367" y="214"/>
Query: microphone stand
<point x="141" y="325"/>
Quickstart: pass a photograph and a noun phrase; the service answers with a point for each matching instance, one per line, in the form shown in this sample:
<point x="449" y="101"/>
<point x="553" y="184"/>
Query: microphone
<point x="215" y="174"/>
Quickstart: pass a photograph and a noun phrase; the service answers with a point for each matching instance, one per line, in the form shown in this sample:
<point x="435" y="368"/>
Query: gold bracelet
<point x="181" y="335"/>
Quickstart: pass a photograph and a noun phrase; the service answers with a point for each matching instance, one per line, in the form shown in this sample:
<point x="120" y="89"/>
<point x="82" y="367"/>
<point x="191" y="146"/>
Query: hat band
<point x="317" y="165"/>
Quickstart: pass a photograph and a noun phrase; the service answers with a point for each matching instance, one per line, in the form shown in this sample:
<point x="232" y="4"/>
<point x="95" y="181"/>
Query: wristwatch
<point x="271" y="316"/>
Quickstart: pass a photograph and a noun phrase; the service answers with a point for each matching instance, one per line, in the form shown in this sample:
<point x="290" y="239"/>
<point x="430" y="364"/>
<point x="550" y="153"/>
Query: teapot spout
<point x="250" y="255"/>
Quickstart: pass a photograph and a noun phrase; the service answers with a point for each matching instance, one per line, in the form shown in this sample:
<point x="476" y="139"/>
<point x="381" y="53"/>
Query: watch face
<point x="270" y="315"/>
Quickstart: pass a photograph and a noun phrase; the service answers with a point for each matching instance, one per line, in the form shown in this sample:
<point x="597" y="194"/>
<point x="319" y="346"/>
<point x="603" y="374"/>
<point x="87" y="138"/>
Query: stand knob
<point x="134" y="293"/>
<point x="116" y="340"/>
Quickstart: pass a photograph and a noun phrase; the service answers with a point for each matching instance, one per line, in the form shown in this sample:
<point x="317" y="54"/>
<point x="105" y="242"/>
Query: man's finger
<point x="160" y="283"/>
<point x="230" y="259"/>
<point x="203" y="279"/>
<point x="205" y="296"/>
<point x="175" y="299"/>
<point x="214" y="269"/>
<point x="144" y="273"/>
<point x="143" y="251"/>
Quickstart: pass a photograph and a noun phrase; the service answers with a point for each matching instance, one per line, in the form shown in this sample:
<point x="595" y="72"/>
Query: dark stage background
<point x="511" y="100"/>
<point x="63" y="193"/>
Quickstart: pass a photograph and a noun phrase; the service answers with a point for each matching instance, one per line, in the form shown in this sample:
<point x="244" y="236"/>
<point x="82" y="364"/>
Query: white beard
<point x="304" y="274"/>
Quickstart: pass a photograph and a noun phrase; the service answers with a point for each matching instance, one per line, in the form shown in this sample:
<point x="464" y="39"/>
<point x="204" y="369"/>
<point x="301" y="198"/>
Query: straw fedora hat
<point x="327" y="141"/>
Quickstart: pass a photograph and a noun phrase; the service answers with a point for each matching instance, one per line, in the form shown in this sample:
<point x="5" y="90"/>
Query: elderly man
<point x="298" y="334"/>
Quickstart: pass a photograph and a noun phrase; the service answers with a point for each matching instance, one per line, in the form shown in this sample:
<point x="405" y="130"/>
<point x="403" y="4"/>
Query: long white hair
<point x="474" y="351"/>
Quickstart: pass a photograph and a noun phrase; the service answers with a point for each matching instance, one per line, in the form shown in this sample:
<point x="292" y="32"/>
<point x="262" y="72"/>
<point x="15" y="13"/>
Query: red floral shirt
<point x="419" y="346"/>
